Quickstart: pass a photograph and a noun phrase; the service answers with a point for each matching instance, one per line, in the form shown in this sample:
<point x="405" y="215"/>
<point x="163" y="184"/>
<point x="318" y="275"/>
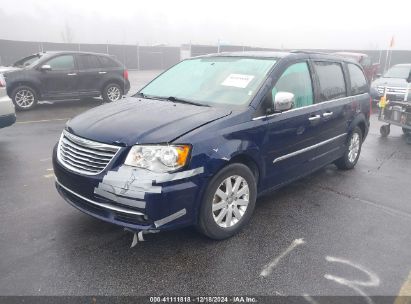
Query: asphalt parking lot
<point x="332" y="233"/>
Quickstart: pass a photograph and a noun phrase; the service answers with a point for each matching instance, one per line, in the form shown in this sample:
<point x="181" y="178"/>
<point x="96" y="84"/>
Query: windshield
<point x="398" y="72"/>
<point x="212" y="80"/>
<point x="27" y="61"/>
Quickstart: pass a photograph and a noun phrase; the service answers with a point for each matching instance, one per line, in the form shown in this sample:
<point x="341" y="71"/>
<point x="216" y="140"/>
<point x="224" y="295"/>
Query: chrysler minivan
<point x="199" y="143"/>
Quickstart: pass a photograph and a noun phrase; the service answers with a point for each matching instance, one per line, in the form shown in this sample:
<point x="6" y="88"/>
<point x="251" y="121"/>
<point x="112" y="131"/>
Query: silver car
<point x="394" y="82"/>
<point x="7" y="113"/>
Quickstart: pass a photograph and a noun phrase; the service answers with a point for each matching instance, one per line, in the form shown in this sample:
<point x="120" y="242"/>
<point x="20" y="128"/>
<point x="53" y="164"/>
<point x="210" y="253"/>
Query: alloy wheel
<point x="230" y="201"/>
<point x="24" y="98"/>
<point x="354" y="147"/>
<point x="113" y="93"/>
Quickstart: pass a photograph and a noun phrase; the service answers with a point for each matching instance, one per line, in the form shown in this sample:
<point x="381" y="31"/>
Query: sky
<point x="289" y="24"/>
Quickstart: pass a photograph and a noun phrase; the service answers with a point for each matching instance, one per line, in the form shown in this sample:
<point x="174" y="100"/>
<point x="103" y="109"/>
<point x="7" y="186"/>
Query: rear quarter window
<point x="331" y="80"/>
<point x="87" y="62"/>
<point x="108" y="62"/>
<point x="358" y="81"/>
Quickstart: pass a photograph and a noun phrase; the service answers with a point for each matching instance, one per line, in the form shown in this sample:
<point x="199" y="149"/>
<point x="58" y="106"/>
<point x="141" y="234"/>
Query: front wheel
<point x="112" y="92"/>
<point x="352" y="152"/>
<point x="24" y="98"/>
<point x="228" y="202"/>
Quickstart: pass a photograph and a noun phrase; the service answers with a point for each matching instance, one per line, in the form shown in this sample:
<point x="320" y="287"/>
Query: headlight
<point x="158" y="158"/>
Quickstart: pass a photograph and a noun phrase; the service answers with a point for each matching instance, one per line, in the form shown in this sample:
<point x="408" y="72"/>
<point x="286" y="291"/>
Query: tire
<point x="208" y="219"/>
<point x="352" y="152"/>
<point x="112" y="92"/>
<point x="24" y="98"/>
<point x="385" y="130"/>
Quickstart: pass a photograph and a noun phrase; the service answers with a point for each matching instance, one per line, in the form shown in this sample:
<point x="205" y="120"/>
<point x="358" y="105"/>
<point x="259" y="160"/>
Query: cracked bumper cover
<point x="142" y="204"/>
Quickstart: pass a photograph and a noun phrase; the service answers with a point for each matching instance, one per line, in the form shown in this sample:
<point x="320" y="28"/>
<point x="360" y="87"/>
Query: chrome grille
<point x="392" y="90"/>
<point x="83" y="155"/>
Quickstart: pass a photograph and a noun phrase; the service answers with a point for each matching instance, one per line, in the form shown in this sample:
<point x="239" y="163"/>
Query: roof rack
<point x="308" y="52"/>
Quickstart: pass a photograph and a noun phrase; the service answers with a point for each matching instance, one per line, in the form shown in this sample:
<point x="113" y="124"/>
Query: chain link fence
<point x="161" y="57"/>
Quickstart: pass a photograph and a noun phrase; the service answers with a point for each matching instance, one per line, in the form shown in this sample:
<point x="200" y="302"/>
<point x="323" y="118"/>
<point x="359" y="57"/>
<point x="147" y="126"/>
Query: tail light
<point x="2" y="81"/>
<point x="125" y="74"/>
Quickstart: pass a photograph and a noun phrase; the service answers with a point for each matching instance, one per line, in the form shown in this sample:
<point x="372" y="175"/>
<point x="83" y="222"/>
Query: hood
<point x="8" y="69"/>
<point x="135" y="120"/>
<point x="390" y="82"/>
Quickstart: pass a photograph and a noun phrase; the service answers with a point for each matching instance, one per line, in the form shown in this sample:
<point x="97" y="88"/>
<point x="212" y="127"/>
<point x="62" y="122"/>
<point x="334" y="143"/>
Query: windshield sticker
<point x="237" y="80"/>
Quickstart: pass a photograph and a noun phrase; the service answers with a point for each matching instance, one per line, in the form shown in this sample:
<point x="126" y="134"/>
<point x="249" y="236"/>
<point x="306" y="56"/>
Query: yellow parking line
<point x="404" y="296"/>
<point x="43" y="120"/>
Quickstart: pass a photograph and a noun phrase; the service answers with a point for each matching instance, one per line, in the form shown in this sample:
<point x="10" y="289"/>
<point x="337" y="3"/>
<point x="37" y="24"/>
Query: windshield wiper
<point x="172" y="98"/>
<point x="182" y="100"/>
<point x="149" y="96"/>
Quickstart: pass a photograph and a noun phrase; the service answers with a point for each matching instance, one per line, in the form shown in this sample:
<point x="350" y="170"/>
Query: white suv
<point x="7" y="113"/>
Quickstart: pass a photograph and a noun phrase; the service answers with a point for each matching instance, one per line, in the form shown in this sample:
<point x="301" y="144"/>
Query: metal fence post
<point x="138" y="57"/>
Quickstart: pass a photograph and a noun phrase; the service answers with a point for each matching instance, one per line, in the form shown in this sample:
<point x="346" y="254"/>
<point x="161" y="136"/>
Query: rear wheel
<point x="228" y="202"/>
<point x="385" y="130"/>
<point x="24" y="98"/>
<point x="352" y="152"/>
<point x="112" y="92"/>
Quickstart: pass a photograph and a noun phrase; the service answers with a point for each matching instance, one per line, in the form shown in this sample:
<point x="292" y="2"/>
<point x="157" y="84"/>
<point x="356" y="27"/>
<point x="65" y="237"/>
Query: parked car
<point x="199" y="144"/>
<point x="7" y="114"/>
<point x="395" y="81"/>
<point x="65" y="75"/>
<point x="370" y="69"/>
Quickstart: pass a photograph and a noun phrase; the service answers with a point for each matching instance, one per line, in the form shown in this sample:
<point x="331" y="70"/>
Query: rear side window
<point x="296" y="79"/>
<point x="331" y="78"/>
<point x="358" y="82"/>
<point x="88" y="62"/>
<point x="107" y="62"/>
<point x="64" y="62"/>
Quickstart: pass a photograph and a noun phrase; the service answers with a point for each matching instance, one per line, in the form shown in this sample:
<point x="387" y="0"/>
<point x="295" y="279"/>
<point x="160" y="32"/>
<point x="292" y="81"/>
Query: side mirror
<point x="45" y="67"/>
<point x="409" y="77"/>
<point x="283" y="101"/>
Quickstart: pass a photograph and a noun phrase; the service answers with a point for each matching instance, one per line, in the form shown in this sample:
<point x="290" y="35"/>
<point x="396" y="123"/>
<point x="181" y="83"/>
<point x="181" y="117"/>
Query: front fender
<point x="216" y="145"/>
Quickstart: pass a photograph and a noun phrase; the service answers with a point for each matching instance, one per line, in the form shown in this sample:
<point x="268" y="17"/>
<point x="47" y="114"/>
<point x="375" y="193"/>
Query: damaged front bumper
<point x="134" y="198"/>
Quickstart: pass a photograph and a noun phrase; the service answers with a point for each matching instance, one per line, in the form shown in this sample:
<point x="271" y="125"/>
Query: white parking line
<point x="43" y="120"/>
<point x="269" y="267"/>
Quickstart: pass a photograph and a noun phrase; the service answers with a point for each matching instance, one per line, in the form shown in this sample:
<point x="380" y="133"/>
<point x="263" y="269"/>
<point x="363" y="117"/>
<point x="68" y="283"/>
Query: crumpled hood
<point x="134" y="120"/>
<point x="389" y="82"/>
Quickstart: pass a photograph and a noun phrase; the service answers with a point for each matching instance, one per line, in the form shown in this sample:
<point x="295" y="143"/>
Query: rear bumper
<point x="162" y="206"/>
<point x="7" y="112"/>
<point x="126" y="87"/>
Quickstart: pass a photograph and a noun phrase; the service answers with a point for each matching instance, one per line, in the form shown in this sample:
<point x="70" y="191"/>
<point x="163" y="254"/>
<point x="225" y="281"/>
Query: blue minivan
<point x="199" y="143"/>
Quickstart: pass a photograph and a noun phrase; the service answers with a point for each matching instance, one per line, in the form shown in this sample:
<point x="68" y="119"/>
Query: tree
<point x="67" y="34"/>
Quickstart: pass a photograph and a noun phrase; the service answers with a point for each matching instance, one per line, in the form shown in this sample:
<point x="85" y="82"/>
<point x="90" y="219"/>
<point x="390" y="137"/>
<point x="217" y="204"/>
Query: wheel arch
<point x="361" y="122"/>
<point x="109" y="81"/>
<point x="247" y="160"/>
<point x="29" y="84"/>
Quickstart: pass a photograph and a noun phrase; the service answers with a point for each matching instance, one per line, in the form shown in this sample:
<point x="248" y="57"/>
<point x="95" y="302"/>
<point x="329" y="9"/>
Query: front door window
<point x="296" y="79"/>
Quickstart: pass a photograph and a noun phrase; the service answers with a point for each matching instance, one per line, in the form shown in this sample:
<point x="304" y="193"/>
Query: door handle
<point x="71" y="74"/>
<point x="102" y="72"/>
<point x="314" y="118"/>
<point x="327" y="114"/>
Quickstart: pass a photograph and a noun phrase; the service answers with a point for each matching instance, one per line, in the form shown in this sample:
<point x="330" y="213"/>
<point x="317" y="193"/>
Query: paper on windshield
<point x="237" y="80"/>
